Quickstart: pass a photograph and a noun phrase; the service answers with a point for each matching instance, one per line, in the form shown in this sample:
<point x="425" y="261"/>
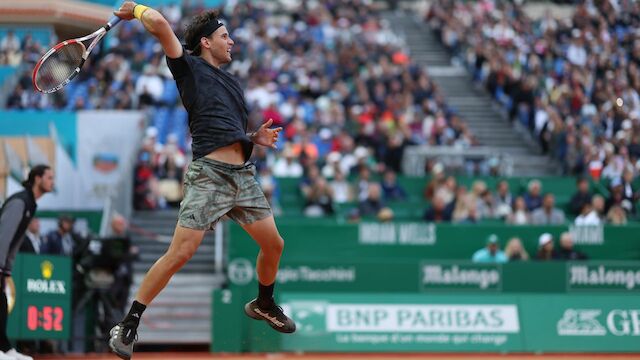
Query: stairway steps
<point x="181" y="313"/>
<point x="152" y="336"/>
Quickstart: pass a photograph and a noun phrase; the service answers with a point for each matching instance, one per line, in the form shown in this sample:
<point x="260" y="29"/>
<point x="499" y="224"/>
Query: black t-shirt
<point x="218" y="115"/>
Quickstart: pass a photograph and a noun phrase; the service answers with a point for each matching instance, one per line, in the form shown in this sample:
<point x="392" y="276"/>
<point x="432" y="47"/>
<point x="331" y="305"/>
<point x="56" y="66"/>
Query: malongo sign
<point x="613" y="276"/>
<point x="461" y="276"/>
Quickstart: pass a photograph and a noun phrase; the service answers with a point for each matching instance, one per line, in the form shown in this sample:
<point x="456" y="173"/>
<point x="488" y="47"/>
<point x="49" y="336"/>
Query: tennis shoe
<point x="15" y="355"/>
<point x="273" y="315"/>
<point x="121" y="340"/>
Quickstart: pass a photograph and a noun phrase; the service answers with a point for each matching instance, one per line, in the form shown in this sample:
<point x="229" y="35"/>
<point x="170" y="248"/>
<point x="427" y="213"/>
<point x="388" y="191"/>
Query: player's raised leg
<point x="184" y="244"/>
<point x="265" y="233"/>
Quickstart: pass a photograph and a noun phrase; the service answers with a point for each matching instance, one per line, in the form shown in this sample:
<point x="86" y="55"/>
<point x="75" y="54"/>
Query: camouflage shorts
<point x="213" y="189"/>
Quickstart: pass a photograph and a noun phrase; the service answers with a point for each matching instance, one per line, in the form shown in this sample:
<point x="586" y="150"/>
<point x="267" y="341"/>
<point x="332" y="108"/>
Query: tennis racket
<point x="63" y="62"/>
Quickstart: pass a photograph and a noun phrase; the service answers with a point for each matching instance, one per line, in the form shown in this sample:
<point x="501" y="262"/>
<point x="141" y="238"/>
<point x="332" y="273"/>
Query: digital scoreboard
<point x="43" y="298"/>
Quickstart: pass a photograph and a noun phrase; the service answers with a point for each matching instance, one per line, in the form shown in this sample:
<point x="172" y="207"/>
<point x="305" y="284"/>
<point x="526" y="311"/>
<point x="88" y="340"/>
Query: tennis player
<point x="219" y="181"/>
<point x="15" y="216"/>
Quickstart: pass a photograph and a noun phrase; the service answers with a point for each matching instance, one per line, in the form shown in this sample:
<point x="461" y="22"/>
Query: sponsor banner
<point x="322" y="240"/>
<point x="587" y="234"/>
<point x="46" y="275"/>
<point x="107" y="144"/>
<point x="353" y="322"/>
<point x="461" y="276"/>
<point x="400" y="322"/>
<point x="603" y="323"/>
<point x="403" y="234"/>
<point x="331" y="276"/>
<point x="43" y="298"/>
<point x="603" y="276"/>
<point x="427" y="276"/>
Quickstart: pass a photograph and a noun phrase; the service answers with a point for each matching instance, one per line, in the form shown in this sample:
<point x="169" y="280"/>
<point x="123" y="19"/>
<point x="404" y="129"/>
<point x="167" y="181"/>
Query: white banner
<point x="106" y="144"/>
<point x="422" y="318"/>
<point x="107" y="141"/>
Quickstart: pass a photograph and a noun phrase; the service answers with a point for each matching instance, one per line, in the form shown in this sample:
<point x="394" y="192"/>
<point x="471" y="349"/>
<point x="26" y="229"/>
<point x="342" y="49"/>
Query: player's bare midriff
<point x="230" y="154"/>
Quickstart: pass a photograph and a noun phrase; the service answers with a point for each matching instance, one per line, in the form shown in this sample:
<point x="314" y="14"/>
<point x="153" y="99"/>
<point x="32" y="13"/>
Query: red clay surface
<point x="205" y="356"/>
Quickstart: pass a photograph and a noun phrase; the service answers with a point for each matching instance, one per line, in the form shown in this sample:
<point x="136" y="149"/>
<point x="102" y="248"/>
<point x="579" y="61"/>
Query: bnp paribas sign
<point x="592" y="322"/>
<point x="400" y="322"/>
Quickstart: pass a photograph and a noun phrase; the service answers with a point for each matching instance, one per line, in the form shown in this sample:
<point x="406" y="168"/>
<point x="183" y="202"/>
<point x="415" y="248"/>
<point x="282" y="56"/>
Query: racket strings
<point x="60" y="66"/>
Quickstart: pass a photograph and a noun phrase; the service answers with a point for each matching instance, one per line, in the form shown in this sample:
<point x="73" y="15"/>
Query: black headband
<point x="207" y="30"/>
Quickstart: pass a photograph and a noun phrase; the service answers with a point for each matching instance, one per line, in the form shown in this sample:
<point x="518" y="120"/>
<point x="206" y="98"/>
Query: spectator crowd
<point x="515" y="251"/>
<point x="350" y="100"/>
<point x="453" y="202"/>
<point x="332" y="73"/>
<point x="574" y="81"/>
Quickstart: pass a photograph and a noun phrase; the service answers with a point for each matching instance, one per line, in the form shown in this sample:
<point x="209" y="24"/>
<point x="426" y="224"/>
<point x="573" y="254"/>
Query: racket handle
<point x="112" y="22"/>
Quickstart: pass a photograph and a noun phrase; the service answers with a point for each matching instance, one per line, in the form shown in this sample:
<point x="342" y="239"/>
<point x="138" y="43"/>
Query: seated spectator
<point x="32" y="244"/>
<point x="485" y="205"/>
<point x="503" y="200"/>
<point x="363" y="183"/>
<point x="10" y="42"/>
<point x="628" y="191"/>
<point x="514" y="251"/>
<point x="581" y="197"/>
<point x="390" y="187"/>
<point x="548" y="214"/>
<point x="146" y="194"/>
<point x="149" y="85"/>
<point x="448" y="189"/>
<point x="438" y="180"/>
<point x="438" y="212"/>
<point x="617" y="216"/>
<point x="465" y="211"/>
<point x="319" y="199"/>
<point x="617" y="198"/>
<point x="62" y="240"/>
<point x="305" y="150"/>
<point x="342" y="191"/>
<point x="520" y="214"/>
<point x="588" y="216"/>
<point x="598" y="205"/>
<point x="310" y="178"/>
<point x="532" y="198"/>
<point x="490" y="253"/>
<point x="545" y="248"/>
<point x="18" y="99"/>
<point x="269" y="186"/>
<point x="567" y="252"/>
<point x="460" y="204"/>
<point x="385" y="215"/>
<point x="373" y="203"/>
<point x="287" y="166"/>
<point x="332" y="165"/>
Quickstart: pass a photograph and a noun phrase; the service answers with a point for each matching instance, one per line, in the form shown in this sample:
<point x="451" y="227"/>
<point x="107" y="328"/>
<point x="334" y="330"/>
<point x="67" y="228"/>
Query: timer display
<point x="47" y="318"/>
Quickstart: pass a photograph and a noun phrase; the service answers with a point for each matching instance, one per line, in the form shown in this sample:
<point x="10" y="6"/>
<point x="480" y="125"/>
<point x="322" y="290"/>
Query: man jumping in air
<point x="219" y="181"/>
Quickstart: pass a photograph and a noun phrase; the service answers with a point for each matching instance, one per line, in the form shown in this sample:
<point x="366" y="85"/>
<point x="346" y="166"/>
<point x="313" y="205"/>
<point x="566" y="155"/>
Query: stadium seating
<point x="5" y="72"/>
<point x="39" y="33"/>
<point x="292" y="201"/>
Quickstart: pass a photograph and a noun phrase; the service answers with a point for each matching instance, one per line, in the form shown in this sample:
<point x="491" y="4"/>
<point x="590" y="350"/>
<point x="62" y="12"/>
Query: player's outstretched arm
<point x="155" y="24"/>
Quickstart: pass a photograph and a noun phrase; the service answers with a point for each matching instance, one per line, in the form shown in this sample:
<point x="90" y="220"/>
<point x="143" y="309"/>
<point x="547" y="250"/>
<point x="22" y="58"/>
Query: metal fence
<point x="457" y="161"/>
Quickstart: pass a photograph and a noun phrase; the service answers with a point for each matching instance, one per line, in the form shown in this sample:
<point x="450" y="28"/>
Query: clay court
<point x="204" y="356"/>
